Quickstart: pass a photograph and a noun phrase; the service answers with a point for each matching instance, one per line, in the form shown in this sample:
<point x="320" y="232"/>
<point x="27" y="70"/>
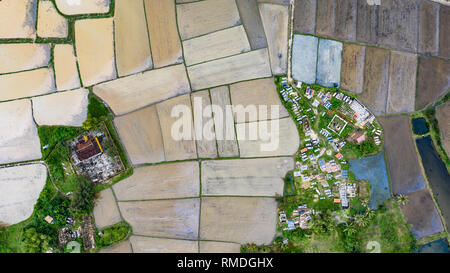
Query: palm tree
<point x="349" y="228"/>
<point x="402" y="199"/>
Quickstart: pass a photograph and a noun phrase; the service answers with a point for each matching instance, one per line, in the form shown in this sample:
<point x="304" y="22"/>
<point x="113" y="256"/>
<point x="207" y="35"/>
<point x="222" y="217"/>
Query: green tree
<point x="34" y="242"/>
<point x="82" y="199"/>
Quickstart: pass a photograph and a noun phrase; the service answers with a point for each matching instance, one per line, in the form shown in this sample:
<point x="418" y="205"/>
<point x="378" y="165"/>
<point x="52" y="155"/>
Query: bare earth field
<point x="305" y="16"/>
<point x="20" y="187"/>
<point x="163" y="218"/>
<point x="246" y="66"/>
<point x="346" y="16"/>
<point x="376" y="78"/>
<point x="162" y="27"/>
<point x="325" y="18"/>
<point x="19" y="140"/>
<point x="352" y="70"/>
<point x="141" y="136"/>
<point x="245" y="177"/>
<point x="51" y="24"/>
<point x="64" y="109"/>
<point x="278" y="138"/>
<point x="206" y="147"/>
<point x="251" y="19"/>
<point x="132" y="48"/>
<point x="19" y="57"/>
<point x="275" y="20"/>
<point x="238" y="219"/>
<point x="176" y="149"/>
<point x="224" y="127"/>
<point x="422" y="214"/>
<point x="85" y="6"/>
<point x="207" y="16"/>
<point x="404" y="168"/>
<point x="223" y="43"/>
<point x="160" y="245"/>
<point x="66" y="71"/>
<point x="136" y="91"/>
<point x="106" y="212"/>
<point x="95" y="50"/>
<point x="402" y="84"/>
<point x="26" y="84"/>
<point x="429" y="28"/>
<point x="433" y="80"/>
<point x="17" y="19"/>
<point x="175" y="180"/>
<point x="260" y="93"/>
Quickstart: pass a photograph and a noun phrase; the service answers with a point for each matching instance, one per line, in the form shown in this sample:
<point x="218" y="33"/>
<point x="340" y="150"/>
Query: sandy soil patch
<point x="305" y="16"/>
<point x="63" y="109"/>
<point x="141" y="137"/>
<point x="160" y="245"/>
<point x="51" y="24"/>
<point x="275" y="19"/>
<point x="162" y="27"/>
<point x="131" y="43"/>
<point x="84" y="7"/>
<point x="251" y="19"/>
<point x="20" y="187"/>
<point x="433" y="80"/>
<point x="19" y="140"/>
<point x="403" y="163"/>
<point x="136" y="91"/>
<point x="304" y="58"/>
<point x="246" y="66"/>
<point x="203" y="125"/>
<point x="65" y="64"/>
<point x="26" y="84"/>
<point x="352" y="70"/>
<point x="219" y="247"/>
<point x="216" y="45"/>
<point x="164" y="218"/>
<point x="443" y="117"/>
<point x="176" y="180"/>
<point x="123" y="247"/>
<point x="402" y="82"/>
<point x="422" y="214"/>
<point x="207" y="16"/>
<point x="261" y="93"/>
<point x="176" y="147"/>
<point x="238" y="219"/>
<point x="329" y="63"/>
<point x="245" y="177"/>
<point x="376" y="77"/>
<point x="278" y="138"/>
<point x="366" y="25"/>
<point x="106" y="212"/>
<point x="326" y="18"/>
<point x="224" y="127"/>
<point x="429" y="28"/>
<point x="17" y="19"/>
<point x="398" y="24"/>
<point x="95" y="50"/>
<point x="18" y="57"/>
<point x="444" y="32"/>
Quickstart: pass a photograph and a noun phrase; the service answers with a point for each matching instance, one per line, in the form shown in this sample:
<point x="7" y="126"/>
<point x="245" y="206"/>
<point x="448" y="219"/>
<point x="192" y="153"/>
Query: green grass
<point x="113" y="235"/>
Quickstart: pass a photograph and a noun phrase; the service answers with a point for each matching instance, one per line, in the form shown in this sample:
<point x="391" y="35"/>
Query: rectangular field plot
<point x="216" y="45"/>
<point x="198" y="18"/>
<point x="238" y="219"/>
<point x="163" y="218"/>
<point x="245" y="177"/>
<point x="304" y="58"/>
<point x="176" y="180"/>
<point x="160" y="245"/>
<point x="136" y="91"/>
<point x="246" y="66"/>
<point x="329" y="63"/>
